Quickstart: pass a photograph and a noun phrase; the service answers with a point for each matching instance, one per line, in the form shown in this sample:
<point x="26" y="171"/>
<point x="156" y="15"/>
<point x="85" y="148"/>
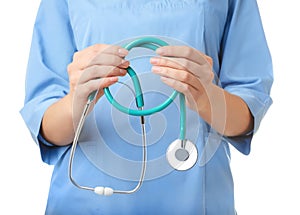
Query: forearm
<point x="57" y="123"/>
<point x="228" y="114"/>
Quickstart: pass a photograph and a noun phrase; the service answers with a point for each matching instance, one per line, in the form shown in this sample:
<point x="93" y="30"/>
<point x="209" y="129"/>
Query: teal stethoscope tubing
<point x="149" y="43"/>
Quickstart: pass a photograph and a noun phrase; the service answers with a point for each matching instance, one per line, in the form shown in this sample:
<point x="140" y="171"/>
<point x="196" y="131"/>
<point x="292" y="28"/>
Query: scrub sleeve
<point x="246" y="66"/>
<point x="47" y="81"/>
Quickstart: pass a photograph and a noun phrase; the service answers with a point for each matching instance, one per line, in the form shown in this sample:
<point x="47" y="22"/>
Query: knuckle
<point x="73" y="80"/>
<point x="185" y="64"/>
<point x="160" y="61"/>
<point x="114" y="70"/>
<point x="92" y="70"/>
<point x="188" y="51"/>
<point x="170" y="60"/>
<point x="70" y="68"/>
<point x="210" y="76"/>
<point x="185" y="77"/>
<point x="76" y="55"/>
<point x="97" y="47"/>
<point x="185" y="88"/>
<point x="165" y="61"/>
<point x="209" y="60"/>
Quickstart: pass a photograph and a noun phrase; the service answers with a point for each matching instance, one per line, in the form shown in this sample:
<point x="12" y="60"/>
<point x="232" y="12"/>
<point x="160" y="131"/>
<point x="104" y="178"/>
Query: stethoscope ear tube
<point x="149" y="43"/>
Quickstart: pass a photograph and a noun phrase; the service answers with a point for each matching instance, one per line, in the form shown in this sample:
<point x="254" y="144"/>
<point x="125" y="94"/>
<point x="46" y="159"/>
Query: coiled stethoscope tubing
<point x="178" y="152"/>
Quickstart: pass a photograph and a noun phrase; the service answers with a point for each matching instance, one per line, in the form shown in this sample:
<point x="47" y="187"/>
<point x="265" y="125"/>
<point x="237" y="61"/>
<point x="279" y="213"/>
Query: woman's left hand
<point x="188" y="71"/>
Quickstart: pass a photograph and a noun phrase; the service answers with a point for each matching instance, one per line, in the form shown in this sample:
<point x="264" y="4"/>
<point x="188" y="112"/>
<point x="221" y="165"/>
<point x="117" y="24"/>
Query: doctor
<point x="224" y="70"/>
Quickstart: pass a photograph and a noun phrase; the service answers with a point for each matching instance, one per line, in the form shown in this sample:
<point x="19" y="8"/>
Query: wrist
<point x="57" y="124"/>
<point x="204" y="100"/>
<point x="212" y="107"/>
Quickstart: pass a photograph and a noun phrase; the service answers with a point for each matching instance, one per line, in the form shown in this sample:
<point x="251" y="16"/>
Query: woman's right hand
<point x="92" y="69"/>
<point x="95" y="68"/>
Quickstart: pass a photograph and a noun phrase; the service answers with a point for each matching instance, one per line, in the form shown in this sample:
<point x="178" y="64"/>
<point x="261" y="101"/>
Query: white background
<point x="266" y="182"/>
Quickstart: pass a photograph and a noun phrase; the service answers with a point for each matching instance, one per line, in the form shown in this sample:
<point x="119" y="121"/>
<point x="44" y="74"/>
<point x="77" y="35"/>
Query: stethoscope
<point x="181" y="154"/>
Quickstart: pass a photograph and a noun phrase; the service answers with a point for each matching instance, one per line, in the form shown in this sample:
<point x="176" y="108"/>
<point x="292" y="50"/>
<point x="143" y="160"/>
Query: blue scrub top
<point x="110" y="154"/>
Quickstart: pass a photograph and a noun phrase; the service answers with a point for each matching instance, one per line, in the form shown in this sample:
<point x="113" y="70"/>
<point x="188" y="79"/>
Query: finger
<point x="109" y="55"/>
<point x="97" y="72"/>
<point x="201" y="71"/>
<point x="83" y="58"/>
<point x="109" y="60"/>
<point x="179" y="86"/>
<point x="184" y="52"/>
<point x="102" y="48"/>
<point x="93" y="85"/>
<point x="110" y="49"/>
<point x="191" y="94"/>
<point x="178" y="75"/>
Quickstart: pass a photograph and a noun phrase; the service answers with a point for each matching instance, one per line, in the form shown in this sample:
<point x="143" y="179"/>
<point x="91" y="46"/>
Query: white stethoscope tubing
<point x="106" y="191"/>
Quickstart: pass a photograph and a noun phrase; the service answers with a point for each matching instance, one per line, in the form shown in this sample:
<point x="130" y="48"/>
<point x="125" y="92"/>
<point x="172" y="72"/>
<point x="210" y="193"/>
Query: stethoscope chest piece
<point x="182" y="154"/>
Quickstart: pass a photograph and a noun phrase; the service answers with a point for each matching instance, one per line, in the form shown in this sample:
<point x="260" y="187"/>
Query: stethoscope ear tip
<point x="105" y="191"/>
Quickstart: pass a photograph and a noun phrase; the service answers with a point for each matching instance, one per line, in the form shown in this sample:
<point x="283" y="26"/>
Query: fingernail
<point x="154" y="60"/>
<point x="159" y="51"/>
<point x="123" y="52"/>
<point x="123" y="71"/>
